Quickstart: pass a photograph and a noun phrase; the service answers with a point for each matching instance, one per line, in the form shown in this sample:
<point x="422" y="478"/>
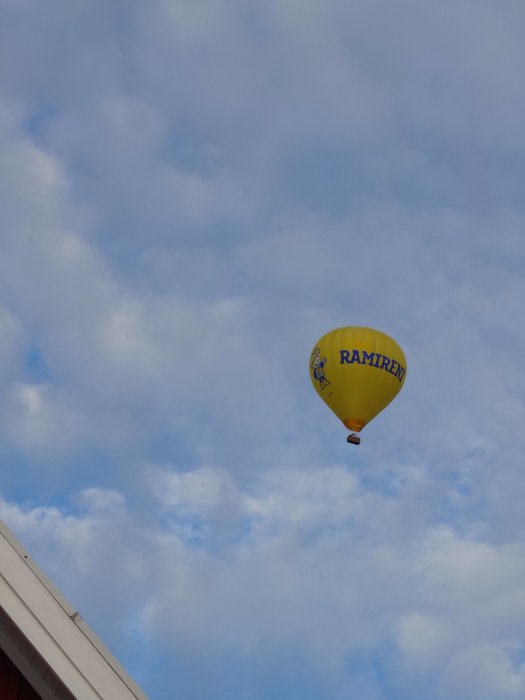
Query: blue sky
<point x="192" y="193"/>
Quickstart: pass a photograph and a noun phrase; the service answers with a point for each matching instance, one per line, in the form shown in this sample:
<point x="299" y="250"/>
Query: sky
<point x="192" y="192"/>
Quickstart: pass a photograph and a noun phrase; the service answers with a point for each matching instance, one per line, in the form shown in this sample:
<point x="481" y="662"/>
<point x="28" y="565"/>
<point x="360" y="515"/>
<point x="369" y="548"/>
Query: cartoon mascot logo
<point x="317" y="364"/>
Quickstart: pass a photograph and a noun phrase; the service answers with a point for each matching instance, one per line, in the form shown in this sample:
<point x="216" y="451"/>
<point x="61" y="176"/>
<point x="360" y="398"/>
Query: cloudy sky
<point x="192" y="192"/>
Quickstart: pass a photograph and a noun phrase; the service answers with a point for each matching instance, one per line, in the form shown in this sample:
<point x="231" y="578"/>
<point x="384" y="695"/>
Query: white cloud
<point x="424" y="640"/>
<point x="11" y="333"/>
<point x="40" y="420"/>
<point x="297" y="565"/>
<point x="485" y="671"/>
<point x="192" y="193"/>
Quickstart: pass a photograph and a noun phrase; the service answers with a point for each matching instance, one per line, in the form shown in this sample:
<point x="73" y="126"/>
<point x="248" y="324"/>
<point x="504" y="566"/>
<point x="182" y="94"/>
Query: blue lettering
<point x="373" y="359"/>
<point x="368" y="357"/>
<point x="355" y="357"/>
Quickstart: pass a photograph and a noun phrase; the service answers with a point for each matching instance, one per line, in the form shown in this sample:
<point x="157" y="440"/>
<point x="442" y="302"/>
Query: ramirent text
<point x="374" y="359"/>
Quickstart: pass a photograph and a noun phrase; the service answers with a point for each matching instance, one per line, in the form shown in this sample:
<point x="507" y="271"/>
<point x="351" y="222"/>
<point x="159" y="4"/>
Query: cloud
<point x="486" y="671"/>
<point x="295" y="567"/>
<point x="192" y="194"/>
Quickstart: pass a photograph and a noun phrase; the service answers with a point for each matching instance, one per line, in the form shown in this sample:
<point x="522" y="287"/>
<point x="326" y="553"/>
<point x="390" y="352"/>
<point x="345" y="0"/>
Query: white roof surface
<point x="70" y="661"/>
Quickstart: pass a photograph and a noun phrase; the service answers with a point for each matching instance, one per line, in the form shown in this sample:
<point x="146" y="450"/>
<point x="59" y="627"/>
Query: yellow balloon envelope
<point x="357" y="372"/>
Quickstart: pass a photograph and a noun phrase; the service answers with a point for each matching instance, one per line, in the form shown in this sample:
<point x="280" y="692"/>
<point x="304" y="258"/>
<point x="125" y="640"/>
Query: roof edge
<point x="56" y="630"/>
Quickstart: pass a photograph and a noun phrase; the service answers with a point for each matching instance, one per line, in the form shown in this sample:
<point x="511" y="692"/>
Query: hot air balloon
<point x="357" y="372"/>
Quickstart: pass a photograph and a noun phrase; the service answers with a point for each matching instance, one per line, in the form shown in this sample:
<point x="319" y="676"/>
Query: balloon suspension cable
<point x="354" y="439"/>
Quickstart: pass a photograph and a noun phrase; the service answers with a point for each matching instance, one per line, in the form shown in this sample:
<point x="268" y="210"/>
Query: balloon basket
<point x="354" y="439"/>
